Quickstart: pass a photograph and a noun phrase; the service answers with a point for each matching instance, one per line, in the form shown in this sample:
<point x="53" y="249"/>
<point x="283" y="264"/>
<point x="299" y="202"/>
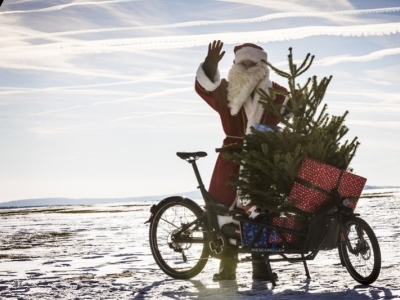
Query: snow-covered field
<point x="102" y="252"/>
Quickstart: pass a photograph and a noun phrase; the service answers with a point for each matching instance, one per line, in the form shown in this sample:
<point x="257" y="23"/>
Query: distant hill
<point x="90" y="201"/>
<point x="372" y="187"/>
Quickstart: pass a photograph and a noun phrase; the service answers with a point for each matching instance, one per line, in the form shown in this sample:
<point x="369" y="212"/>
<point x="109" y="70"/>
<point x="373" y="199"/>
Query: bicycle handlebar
<point x="230" y="149"/>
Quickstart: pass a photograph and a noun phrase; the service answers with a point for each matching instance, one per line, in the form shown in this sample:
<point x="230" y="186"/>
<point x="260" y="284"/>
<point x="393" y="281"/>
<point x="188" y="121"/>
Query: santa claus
<point x="237" y="103"/>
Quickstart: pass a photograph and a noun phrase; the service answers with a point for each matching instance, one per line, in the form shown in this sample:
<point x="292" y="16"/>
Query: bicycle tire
<point x="178" y="260"/>
<point x="365" y="264"/>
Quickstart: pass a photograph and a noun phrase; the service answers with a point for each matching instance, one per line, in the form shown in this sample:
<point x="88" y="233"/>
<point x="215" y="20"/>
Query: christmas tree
<point x="271" y="160"/>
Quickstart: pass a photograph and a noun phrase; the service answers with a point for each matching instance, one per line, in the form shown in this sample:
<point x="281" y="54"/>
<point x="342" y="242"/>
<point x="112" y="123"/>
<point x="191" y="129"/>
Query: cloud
<point x="380" y="124"/>
<point x="63" y="6"/>
<point x="55" y="111"/>
<point x="287" y="5"/>
<point x="328" y="61"/>
<point x="367" y="108"/>
<point x="93" y="88"/>
<point x="131" y="120"/>
<point x="185" y="112"/>
<point x="159" y="94"/>
<point x="188" y="41"/>
<point x="52" y="130"/>
<point x="62" y="68"/>
<point x="203" y="23"/>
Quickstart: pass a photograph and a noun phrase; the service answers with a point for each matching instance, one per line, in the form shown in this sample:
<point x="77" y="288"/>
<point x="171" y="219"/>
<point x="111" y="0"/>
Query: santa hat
<point x="249" y="51"/>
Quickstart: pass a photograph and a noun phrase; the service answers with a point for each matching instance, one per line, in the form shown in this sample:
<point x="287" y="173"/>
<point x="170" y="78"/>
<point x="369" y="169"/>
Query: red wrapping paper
<point x="285" y="222"/>
<point x="307" y="199"/>
<point x="351" y="187"/>
<point x="322" y="175"/>
<point x="316" y="182"/>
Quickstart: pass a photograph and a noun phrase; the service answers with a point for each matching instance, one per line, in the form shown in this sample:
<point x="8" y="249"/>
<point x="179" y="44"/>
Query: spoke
<point x="363" y="261"/>
<point x="166" y="221"/>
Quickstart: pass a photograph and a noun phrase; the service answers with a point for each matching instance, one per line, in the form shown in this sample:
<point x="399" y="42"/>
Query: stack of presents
<point x="312" y="190"/>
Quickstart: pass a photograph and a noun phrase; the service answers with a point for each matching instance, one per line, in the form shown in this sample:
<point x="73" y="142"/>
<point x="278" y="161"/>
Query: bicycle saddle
<point x="191" y="155"/>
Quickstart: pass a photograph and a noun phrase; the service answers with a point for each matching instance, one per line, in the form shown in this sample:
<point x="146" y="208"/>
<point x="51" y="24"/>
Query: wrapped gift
<point x="286" y="222"/>
<point x="351" y="187"/>
<point x="308" y="199"/>
<point x="274" y="238"/>
<point x="316" y="181"/>
<point x="293" y="223"/>
<point x="249" y="231"/>
<point x="323" y="176"/>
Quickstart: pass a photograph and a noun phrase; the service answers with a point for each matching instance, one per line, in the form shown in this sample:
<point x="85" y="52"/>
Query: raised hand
<point x="214" y="56"/>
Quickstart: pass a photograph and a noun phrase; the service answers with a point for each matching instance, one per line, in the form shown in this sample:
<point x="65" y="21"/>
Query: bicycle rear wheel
<point x="363" y="261"/>
<point x="180" y="260"/>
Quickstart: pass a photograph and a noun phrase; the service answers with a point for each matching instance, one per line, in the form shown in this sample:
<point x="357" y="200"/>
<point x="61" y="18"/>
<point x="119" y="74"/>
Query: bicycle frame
<point x="217" y="240"/>
<point x="328" y="224"/>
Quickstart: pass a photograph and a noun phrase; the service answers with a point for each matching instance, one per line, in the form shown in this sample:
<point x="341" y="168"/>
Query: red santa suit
<point x="236" y="121"/>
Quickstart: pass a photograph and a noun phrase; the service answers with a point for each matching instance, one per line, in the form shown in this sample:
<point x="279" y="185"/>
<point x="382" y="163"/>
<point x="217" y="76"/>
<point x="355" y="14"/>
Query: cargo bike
<point x="183" y="235"/>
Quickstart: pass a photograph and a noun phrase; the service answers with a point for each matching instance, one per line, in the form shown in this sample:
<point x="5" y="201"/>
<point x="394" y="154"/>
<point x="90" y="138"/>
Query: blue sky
<point x="96" y="97"/>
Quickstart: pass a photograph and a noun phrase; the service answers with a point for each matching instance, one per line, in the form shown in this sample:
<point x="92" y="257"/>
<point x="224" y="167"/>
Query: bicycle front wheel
<point x="175" y="221"/>
<point x="363" y="260"/>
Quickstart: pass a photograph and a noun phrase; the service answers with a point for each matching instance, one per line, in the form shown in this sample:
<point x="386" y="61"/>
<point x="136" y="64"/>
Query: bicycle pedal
<point x="245" y="259"/>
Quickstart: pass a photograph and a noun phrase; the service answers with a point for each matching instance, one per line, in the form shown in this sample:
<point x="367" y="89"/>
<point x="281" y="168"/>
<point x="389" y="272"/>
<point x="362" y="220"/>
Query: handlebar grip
<point x="229" y="149"/>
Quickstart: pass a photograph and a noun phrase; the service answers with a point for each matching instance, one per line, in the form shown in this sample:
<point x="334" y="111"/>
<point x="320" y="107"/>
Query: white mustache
<point x="242" y="83"/>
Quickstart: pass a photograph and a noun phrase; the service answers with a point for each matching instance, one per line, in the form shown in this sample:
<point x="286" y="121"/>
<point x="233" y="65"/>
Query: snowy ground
<point x="102" y="252"/>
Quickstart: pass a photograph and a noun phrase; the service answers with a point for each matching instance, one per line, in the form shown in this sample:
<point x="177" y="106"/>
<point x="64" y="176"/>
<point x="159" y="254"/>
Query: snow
<point x="104" y="253"/>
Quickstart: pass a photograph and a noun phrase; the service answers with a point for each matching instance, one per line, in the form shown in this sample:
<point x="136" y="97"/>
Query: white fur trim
<point x="253" y="212"/>
<point x="250" y="53"/>
<point x="205" y="82"/>
<point x="254" y="110"/>
<point x="222" y="220"/>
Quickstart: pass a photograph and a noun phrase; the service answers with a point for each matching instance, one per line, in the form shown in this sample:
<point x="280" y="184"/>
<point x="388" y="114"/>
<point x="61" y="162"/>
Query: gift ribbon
<point x="318" y="189"/>
<point x="312" y="186"/>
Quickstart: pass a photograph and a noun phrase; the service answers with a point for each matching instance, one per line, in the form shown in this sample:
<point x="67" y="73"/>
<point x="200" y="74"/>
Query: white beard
<point x="242" y="83"/>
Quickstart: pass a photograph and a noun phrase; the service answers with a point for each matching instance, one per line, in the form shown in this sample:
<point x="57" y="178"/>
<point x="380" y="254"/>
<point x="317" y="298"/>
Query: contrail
<point x="189" y="41"/>
<point x="63" y="6"/>
<point x="264" y="18"/>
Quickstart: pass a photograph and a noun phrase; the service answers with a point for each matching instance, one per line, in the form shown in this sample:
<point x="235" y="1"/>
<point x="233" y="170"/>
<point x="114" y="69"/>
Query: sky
<point x="96" y="97"/>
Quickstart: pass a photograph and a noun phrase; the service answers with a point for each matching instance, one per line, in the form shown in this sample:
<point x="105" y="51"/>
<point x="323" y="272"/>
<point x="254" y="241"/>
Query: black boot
<point x="260" y="271"/>
<point x="227" y="265"/>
